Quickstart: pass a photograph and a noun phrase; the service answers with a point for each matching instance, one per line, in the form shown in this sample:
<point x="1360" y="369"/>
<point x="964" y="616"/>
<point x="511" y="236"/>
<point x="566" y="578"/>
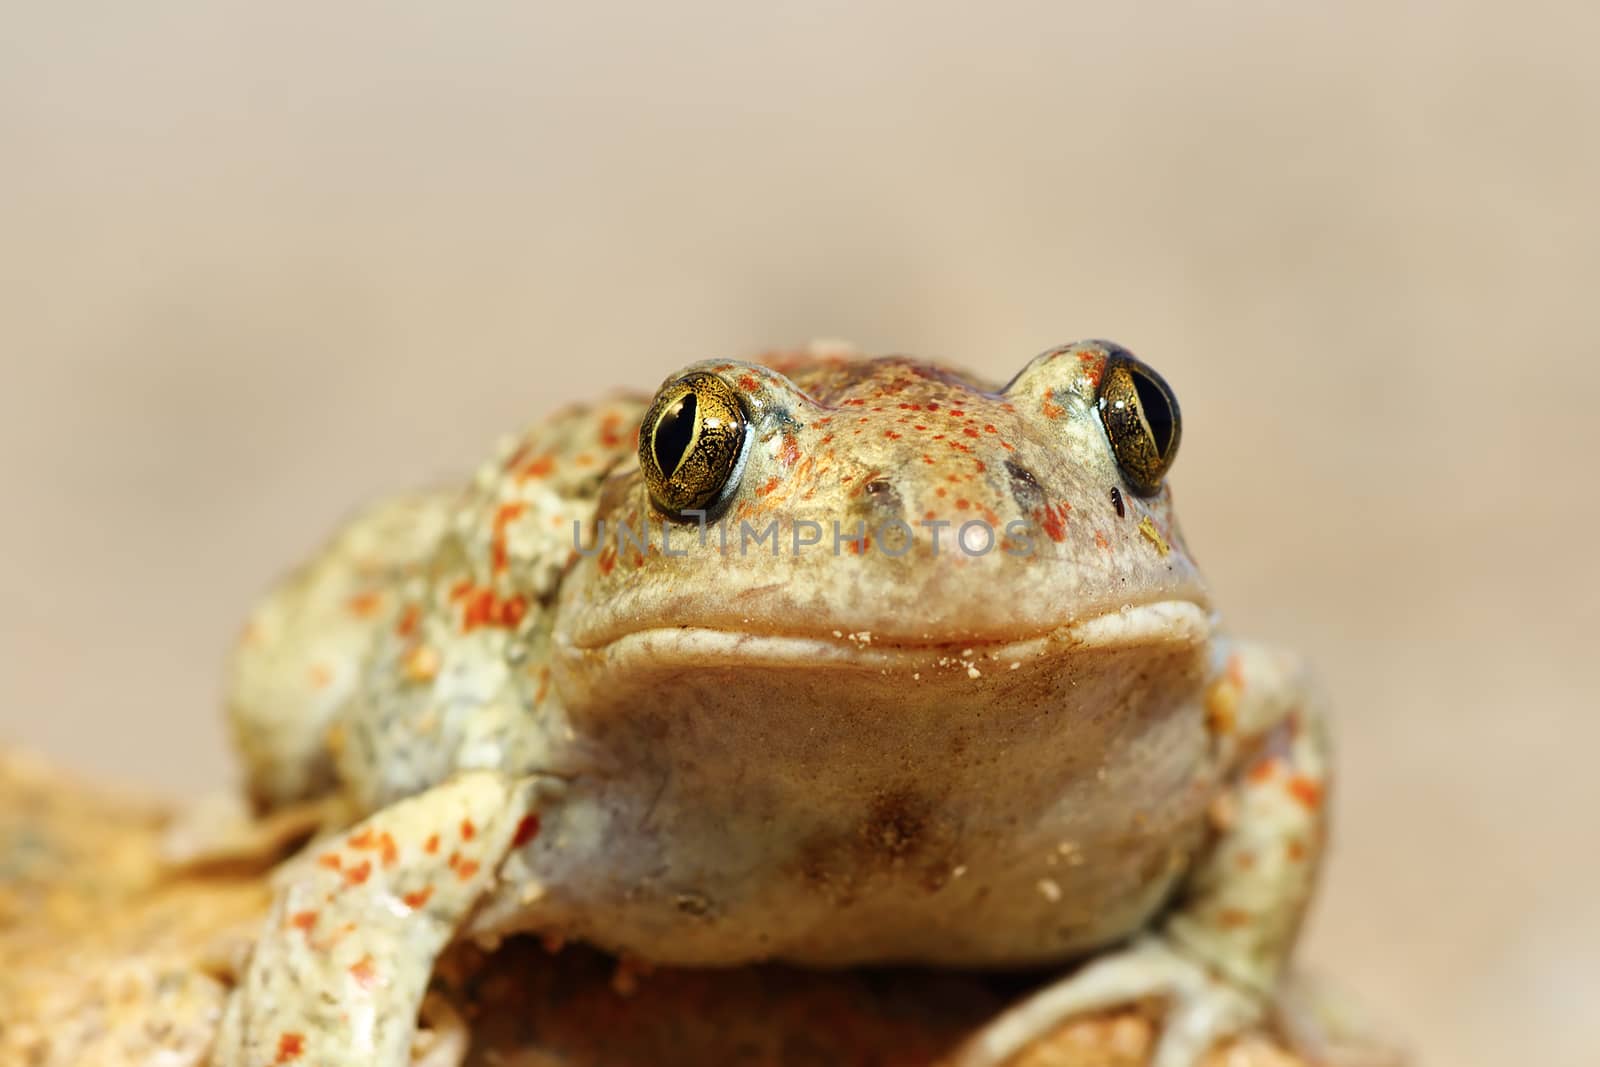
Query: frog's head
<point x="893" y="516"/>
<point x="770" y="715"/>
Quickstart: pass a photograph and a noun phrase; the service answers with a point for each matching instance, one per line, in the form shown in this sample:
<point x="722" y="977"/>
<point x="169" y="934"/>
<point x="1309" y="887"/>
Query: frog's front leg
<point x="340" y="970"/>
<point x="1217" y="958"/>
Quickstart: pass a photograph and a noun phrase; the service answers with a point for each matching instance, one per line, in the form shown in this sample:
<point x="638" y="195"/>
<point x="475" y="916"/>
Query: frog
<point x="814" y="658"/>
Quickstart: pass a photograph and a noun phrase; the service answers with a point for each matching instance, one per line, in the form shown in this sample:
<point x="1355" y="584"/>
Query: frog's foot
<point x="1201" y="1009"/>
<point x="341" y="968"/>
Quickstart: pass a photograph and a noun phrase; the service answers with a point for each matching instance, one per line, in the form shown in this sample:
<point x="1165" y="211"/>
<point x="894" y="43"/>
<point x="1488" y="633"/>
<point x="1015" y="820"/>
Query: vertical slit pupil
<point x="1157" y="412"/>
<point x="674" y="431"/>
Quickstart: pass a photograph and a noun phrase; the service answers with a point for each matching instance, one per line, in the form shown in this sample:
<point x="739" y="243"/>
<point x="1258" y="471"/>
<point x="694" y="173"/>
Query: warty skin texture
<point x="711" y="753"/>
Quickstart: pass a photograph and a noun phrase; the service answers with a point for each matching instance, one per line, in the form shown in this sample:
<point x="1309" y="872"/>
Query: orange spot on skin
<point x="1307" y="791"/>
<point x="963" y="504"/>
<point x="365" y="605"/>
<point x="303" y="920"/>
<point x="608" y="559"/>
<point x="538" y="468"/>
<point x="409" y="618"/>
<point x="504" y="517"/>
<point x="608" y="429"/>
<point x="468" y="831"/>
<point x="419" y="898"/>
<point x="771" y="484"/>
<point x="321" y="675"/>
<point x="461" y="589"/>
<point x="789" y="453"/>
<point x="1100" y="539"/>
<point x="1052" y="518"/>
<point x="329" y="860"/>
<point x="1236" y="670"/>
<point x="1052" y="410"/>
<point x="358" y="874"/>
<point x="1297" y="851"/>
<point x="1233" y="918"/>
<point x="970" y="432"/>
<point x="432" y="844"/>
<point x="1263" y="771"/>
<point x="390" y="854"/>
<point x="484" y="608"/>
<point x="467" y="869"/>
<point x="527" y="830"/>
<point x="748" y="383"/>
<point x="891" y="435"/>
<point x="1093" y="368"/>
<point x="365" y="972"/>
<point x="365" y="839"/>
<point x="957" y="413"/>
<point x="481" y="610"/>
<point x="290" y="1047"/>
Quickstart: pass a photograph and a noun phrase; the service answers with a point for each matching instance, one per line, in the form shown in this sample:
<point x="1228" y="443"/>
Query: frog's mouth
<point x="1157" y="624"/>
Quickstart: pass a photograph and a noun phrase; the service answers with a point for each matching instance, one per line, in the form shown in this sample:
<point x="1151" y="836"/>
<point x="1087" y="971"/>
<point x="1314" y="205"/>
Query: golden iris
<point x="1140" y="414"/>
<point x="691" y="444"/>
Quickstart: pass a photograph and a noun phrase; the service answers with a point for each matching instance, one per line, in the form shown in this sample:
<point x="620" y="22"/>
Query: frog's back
<point x="371" y="668"/>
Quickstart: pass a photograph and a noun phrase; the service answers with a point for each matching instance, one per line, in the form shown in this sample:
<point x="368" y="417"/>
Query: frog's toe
<point x="1199" y="1017"/>
<point x="1201" y="1009"/>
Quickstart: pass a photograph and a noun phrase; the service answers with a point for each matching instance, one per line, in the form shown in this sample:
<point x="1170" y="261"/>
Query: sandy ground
<point x="260" y="262"/>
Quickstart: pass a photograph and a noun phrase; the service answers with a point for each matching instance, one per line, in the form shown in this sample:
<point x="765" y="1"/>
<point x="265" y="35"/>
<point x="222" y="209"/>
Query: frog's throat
<point x="1159" y="623"/>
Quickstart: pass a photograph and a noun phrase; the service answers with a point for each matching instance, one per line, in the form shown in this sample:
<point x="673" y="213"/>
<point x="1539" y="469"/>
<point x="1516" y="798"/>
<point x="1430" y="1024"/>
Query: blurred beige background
<point x="259" y="262"/>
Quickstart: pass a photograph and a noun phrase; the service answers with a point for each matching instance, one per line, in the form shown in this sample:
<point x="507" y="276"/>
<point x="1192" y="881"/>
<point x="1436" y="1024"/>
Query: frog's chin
<point x="1163" y="623"/>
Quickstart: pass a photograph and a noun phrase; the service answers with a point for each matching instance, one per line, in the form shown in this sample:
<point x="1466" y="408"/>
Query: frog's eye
<point x="1140" y="413"/>
<point x="692" y="443"/>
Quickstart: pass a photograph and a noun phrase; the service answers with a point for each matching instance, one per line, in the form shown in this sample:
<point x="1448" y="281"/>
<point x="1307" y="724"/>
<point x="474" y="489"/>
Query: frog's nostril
<point x="1025" y="488"/>
<point x="883" y="498"/>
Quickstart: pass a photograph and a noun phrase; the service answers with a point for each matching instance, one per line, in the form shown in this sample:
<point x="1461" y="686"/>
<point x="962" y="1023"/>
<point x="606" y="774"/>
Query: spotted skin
<point x="929" y="684"/>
